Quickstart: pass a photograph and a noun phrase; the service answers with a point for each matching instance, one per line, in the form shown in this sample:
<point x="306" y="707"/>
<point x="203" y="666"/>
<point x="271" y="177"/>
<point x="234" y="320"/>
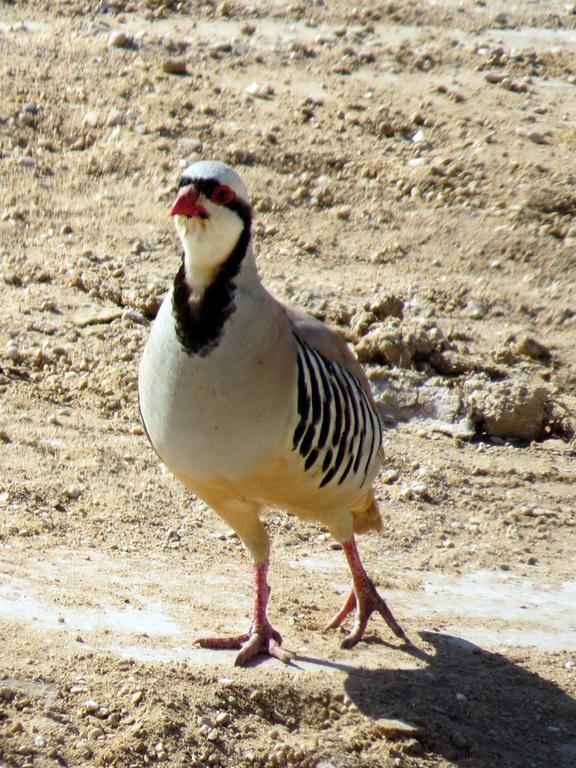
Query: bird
<point x="252" y="404"/>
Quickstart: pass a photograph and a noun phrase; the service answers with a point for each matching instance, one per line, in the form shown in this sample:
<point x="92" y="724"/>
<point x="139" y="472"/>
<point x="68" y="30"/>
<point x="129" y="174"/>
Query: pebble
<point x="494" y="77"/>
<point x="174" y="66"/>
<point x="393" y="728"/>
<point x="530" y="347"/>
<point x="119" y="39"/>
<point x="84" y="749"/>
<point x="389" y="476"/>
<point x="137" y="697"/>
<point x="135" y="317"/>
<point x="417" y="490"/>
<point x="91" y="119"/>
<point x="476" y="310"/>
<point x="260" y="91"/>
<point x="534" y="136"/>
<point x="90" y="706"/>
<point x="344" y="212"/>
<point x="115" y="117"/>
<point x="412" y="747"/>
<point x="7" y="693"/>
<point x="13" y="353"/>
<point x="73" y="492"/>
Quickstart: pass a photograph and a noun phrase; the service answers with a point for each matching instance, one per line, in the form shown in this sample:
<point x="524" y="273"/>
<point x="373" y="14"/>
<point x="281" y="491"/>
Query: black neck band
<point x="201" y="319"/>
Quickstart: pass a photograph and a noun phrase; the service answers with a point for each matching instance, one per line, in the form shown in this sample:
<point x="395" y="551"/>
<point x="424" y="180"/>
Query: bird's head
<point x="212" y="217"/>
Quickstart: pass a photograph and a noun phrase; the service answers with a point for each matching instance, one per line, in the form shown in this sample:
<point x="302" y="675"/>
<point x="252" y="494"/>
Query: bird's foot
<point x="366" y="601"/>
<point x="264" y="639"/>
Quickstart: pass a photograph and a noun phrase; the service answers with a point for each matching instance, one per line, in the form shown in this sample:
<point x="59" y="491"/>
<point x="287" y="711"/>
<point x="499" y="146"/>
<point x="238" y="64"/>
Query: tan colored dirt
<point x="411" y="165"/>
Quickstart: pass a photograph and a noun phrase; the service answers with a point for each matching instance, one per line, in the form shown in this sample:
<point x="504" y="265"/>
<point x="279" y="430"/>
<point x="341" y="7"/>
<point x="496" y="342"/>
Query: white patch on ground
<point x="84" y="593"/>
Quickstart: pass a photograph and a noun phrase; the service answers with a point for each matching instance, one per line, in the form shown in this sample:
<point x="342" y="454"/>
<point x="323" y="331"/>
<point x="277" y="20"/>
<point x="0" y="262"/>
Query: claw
<point x="264" y="640"/>
<point x="262" y="637"/>
<point x="363" y="598"/>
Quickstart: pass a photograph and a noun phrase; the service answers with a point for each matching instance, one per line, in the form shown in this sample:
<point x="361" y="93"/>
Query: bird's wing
<point x="331" y="346"/>
<point x="329" y="343"/>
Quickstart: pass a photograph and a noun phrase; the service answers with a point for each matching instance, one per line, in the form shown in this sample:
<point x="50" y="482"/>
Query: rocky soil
<point x="411" y="166"/>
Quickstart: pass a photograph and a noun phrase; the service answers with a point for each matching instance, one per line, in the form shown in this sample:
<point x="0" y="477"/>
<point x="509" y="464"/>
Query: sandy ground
<point x="411" y="166"/>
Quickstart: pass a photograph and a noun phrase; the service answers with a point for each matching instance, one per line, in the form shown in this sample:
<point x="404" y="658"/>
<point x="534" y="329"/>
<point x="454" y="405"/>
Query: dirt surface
<point x="411" y="166"/>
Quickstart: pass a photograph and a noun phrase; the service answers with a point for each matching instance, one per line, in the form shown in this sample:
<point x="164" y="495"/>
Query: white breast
<point x="221" y="414"/>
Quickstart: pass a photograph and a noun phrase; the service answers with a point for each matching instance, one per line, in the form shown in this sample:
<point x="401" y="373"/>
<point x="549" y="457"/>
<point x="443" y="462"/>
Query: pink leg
<point x="364" y="598"/>
<point x="262" y="637"/>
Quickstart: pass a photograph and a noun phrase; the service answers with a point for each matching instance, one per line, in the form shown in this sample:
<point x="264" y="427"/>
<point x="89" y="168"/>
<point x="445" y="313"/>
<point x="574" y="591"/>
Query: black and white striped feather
<point x="338" y="434"/>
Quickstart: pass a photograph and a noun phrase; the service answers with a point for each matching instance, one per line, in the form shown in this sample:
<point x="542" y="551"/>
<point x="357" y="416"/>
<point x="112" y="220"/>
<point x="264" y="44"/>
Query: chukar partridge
<point x="252" y="404"/>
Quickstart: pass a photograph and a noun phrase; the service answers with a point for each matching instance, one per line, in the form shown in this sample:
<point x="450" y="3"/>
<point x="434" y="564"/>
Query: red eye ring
<point x="222" y="195"/>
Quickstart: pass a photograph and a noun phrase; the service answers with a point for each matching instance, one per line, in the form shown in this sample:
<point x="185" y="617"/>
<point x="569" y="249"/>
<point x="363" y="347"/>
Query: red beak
<point x="186" y="204"/>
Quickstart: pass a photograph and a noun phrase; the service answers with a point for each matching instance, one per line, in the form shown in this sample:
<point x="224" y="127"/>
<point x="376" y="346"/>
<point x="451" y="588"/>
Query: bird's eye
<point x="222" y="195"/>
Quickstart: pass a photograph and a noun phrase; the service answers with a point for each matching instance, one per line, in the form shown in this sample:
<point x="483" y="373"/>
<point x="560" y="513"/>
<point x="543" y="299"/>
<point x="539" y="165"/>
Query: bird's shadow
<point x="474" y="707"/>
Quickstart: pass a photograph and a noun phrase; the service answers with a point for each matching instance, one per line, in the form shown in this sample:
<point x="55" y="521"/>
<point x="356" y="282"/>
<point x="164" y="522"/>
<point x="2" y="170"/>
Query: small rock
<point x="90" y="706"/>
<point x="461" y="697"/>
<point x="417" y="490"/>
<point x="394" y="728"/>
<point x="137" y="697"/>
<point x="476" y="310"/>
<point x="174" y="66"/>
<point x="133" y="316"/>
<point x="73" y="492"/>
<point x="91" y="119"/>
<point x="13" y="353"/>
<point x="387" y="306"/>
<point x="115" y="117"/>
<point x="119" y="39"/>
<point x="389" y="476"/>
<point x="344" y="212"/>
<point x="530" y="347"/>
<point x="260" y="91"/>
<point x="412" y="747"/>
<point x="84" y="749"/>
<point x="7" y="694"/>
<point x="535" y="136"/>
<point x="494" y="77"/>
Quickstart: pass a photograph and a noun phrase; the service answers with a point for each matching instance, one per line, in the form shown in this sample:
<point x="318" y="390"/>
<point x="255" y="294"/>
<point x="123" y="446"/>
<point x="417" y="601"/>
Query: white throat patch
<point x="207" y="242"/>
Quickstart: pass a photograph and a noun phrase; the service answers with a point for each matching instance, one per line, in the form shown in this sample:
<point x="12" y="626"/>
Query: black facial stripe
<point x="184" y="181"/>
<point x="207" y="186"/>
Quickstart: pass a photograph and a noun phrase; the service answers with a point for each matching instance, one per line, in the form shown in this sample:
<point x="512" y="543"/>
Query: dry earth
<point x="412" y="171"/>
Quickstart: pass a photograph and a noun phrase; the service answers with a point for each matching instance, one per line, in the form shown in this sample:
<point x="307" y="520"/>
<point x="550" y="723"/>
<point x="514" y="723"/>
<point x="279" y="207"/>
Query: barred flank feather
<point x="338" y="431"/>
